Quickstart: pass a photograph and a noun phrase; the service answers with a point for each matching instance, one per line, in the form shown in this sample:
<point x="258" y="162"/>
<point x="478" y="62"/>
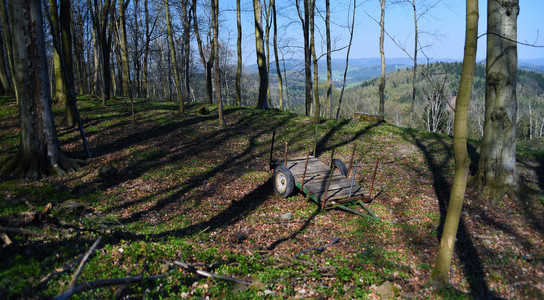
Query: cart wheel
<point x="340" y="165"/>
<point x="284" y="183"/>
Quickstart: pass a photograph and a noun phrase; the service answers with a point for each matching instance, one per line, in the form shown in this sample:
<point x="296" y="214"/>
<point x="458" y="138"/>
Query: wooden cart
<point x="328" y="186"/>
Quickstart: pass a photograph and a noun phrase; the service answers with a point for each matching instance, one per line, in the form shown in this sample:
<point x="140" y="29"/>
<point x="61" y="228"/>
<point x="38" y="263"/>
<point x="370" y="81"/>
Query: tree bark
<point x="173" y="55"/>
<point x="261" y="56"/>
<point x="215" y="29"/>
<point x="125" y="84"/>
<point x="317" y="106"/>
<point x="381" y="87"/>
<point x="9" y="41"/>
<point x="497" y="173"/>
<point x="305" y="20"/>
<point x="5" y="79"/>
<point x="414" y="75"/>
<point x="276" y="56"/>
<point x="60" y="85"/>
<point x="347" y="60"/>
<point x="71" y="116"/>
<point x="207" y="63"/>
<point x="239" y="54"/>
<point x="329" y="50"/>
<point x="39" y="153"/>
<point x="440" y="273"/>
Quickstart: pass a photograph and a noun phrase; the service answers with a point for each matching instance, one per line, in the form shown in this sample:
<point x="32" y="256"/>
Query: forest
<point x="141" y="158"/>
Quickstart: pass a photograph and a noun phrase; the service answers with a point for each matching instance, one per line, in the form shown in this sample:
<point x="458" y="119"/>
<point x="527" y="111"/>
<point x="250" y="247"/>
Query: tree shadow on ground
<point x="229" y="216"/>
<point x="323" y="143"/>
<point x="294" y="234"/>
<point x="464" y="246"/>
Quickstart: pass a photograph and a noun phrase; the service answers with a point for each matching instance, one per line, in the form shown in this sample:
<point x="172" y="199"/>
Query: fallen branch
<point x="192" y="269"/>
<point x="102" y="283"/>
<point x="22" y="231"/>
<point x="59" y="271"/>
<point x="6" y="239"/>
<point x="319" y="249"/>
<point x="83" y="262"/>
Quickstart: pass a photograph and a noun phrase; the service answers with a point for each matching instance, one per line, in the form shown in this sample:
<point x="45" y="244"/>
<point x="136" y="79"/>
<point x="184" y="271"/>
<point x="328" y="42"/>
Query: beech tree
<point x="441" y="270"/>
<point x="39" y="152"/>
<point x="381" y="87"/>
<point x="173" y="56"/>
<point x="239" y="53"/>
<point x="261" y="55"/>
<point x="497" y="173"/>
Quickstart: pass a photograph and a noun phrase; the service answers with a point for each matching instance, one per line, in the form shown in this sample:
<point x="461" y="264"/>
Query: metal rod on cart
<point x="332" y="157"/>
<point x="304" y="173"/>
<point x="272" y="149"/>
<point x="352" y="156"/>
<point x="285" y="156"/>
<point x="329" y="181"/>
<point x="374" y="176"/>
<point x="352" y="179"/>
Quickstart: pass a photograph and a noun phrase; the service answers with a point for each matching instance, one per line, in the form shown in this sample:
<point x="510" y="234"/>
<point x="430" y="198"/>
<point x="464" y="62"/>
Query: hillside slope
<point x="181" y="188"/>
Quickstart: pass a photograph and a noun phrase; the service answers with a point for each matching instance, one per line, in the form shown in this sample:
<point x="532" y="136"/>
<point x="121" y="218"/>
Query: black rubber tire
<point x="340" y="166"/>
<point x="284" y="183"/>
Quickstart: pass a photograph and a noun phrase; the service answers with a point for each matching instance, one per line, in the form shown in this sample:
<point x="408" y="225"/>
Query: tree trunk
<point x="5" y="80"/>
<point x="347" y="59"/>
<point x="9" y="41"/>
<point x="207" y="63"/>
<point x="261" y="56"/>
<point x="60" y="93"/>
<point x="317" y="108"/>
<point x="329" y="50"/>
<point x="305" y="20"/>
<point x="39" y="153"/>
<point x="440" y="273"/>
<point x="381" y="87"/>
<point x="414" y="75"/>
<point x="239" y="53"/>
<point x="71" y="116"/>
<point x="125" y="84"/>
<point x="276" y="57"/>
<point x="497" y="173"/>
<point x="173" y="55"/>
<point x="187" y="49"/>
<point x="215" y="28"/>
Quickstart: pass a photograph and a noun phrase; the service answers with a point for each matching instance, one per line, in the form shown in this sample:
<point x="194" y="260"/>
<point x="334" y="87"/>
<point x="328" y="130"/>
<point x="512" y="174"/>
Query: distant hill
<point x="361" y="69"/>
<point x="446" y="77"/>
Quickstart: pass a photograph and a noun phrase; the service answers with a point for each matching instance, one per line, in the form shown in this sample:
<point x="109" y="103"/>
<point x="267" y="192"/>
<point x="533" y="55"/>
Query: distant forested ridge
<point x="437" y="85"/>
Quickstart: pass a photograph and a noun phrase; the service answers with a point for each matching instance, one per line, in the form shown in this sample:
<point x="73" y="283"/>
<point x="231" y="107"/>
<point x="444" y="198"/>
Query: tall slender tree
<point x="123" y="45"/>
<point x="261" y="55"/>
<point x="317" y="106"/>
<point x="239" y="54"/>
<point x="304" y="16"/>
<point x="381" y="87"/>
<point x="215" y="29"/>
<point x="173" y="56"/>
<point x="276" y="56"/>
<point x="329" y="51"/>
<point x="497" y="172"/>
<point x="206" y="58"/>
<point x="441" y="270"/>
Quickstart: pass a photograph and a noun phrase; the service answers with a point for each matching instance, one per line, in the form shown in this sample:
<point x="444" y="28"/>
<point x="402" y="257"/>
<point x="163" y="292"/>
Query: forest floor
<point x="172" y="187"/>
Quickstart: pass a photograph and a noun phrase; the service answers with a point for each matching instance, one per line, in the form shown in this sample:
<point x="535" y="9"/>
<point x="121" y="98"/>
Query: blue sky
<point x="442" y="28"/>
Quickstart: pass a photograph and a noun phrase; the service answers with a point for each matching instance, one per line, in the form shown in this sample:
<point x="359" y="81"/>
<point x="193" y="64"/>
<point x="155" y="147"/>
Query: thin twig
<point x="22" y="231"/>
<point x="192" y="269"/>
<point x="319" y="249"/>
<point x="83" y="262"/>
<point x="103" y="282"/>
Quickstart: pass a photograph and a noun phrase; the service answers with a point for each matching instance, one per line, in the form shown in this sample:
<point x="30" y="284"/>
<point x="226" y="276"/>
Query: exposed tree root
<point x="29" y="168"/>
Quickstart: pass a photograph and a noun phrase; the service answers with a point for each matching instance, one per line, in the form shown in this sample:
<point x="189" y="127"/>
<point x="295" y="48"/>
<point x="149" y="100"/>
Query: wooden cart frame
<point x="328" y="186"/>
